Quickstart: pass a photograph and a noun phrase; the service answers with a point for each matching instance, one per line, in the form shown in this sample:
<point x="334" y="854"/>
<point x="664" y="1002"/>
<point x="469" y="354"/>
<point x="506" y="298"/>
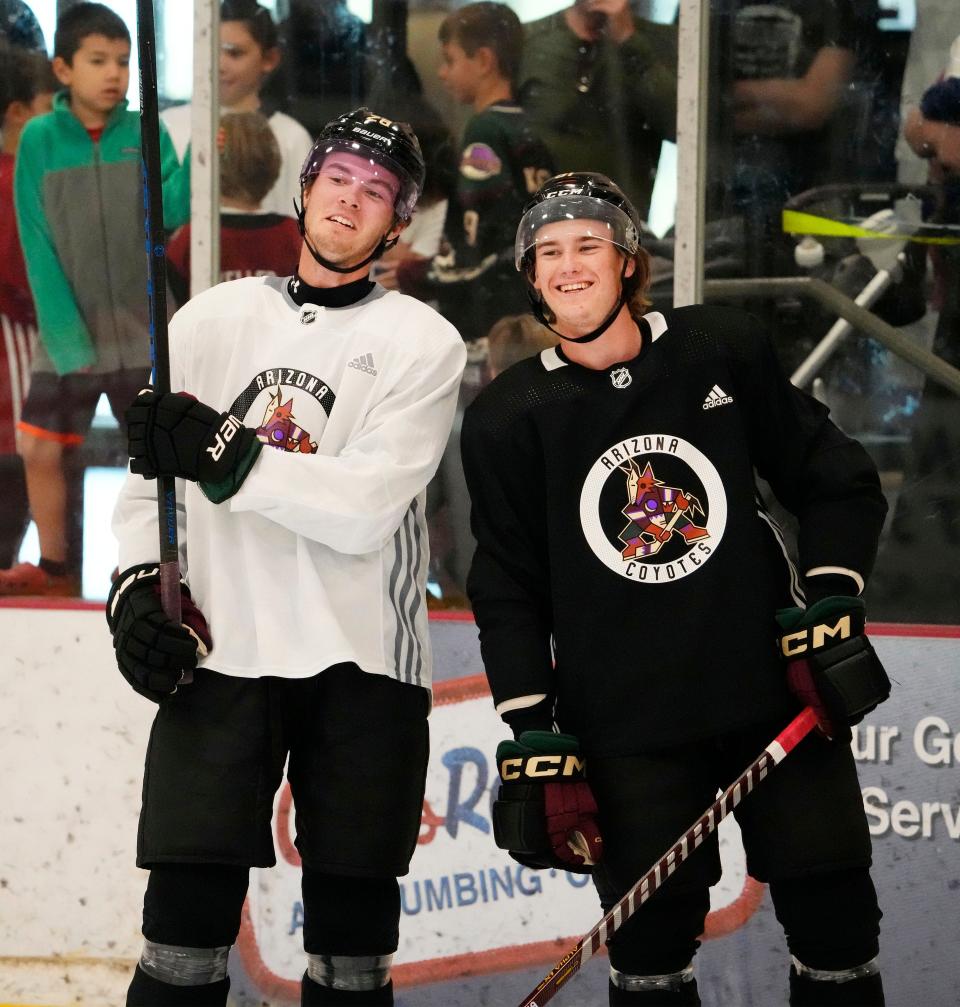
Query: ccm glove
<point x="545" y="814"/>
<point x="175" y="435"/>
<point x="153" y="651"/>
<point x="831" y="665"/>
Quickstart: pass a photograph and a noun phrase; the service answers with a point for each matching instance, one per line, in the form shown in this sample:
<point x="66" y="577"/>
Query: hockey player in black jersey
<point x="318" y="408"/>
<point x="642" y="627"/>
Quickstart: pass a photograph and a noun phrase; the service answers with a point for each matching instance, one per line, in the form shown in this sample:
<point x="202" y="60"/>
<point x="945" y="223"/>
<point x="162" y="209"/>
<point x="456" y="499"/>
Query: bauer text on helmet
<point x="389" y="145"/>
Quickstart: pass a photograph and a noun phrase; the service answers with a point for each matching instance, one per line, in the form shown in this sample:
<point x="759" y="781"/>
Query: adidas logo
<point x="716" y="397"/>
<point x="364" y="363"/>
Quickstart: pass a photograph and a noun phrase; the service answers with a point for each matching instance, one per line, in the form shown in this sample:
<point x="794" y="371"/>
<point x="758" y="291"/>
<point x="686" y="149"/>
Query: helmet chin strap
<point x="536" y="300"/>
<point x="382" y="246"/>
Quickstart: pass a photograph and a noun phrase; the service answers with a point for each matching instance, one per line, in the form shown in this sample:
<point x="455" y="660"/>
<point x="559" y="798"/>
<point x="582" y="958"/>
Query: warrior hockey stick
<point x="157" y="295"/>
<point x="571" y="963"/>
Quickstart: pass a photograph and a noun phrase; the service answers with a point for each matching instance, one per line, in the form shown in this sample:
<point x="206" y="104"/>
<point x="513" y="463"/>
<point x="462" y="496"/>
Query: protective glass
<point x="384" y="171"/>
<point x="600" y="219"/>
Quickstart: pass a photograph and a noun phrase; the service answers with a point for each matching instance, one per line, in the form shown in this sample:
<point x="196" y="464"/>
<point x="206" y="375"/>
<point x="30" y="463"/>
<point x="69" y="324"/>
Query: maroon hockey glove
<point x="175" y="435"/>
<point x="152" y="651"/>
<point x="831" y="665"/>
<point x="545" y="813"/>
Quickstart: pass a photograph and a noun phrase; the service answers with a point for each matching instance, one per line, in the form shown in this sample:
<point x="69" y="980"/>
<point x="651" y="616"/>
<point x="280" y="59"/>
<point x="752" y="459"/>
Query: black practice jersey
<point x="617" y="518"/>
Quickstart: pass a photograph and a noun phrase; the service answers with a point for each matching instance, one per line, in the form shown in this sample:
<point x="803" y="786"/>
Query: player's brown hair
<point x="487" y="24"/>
<point x="250" y="160"/>
<point x="638" y="285"/>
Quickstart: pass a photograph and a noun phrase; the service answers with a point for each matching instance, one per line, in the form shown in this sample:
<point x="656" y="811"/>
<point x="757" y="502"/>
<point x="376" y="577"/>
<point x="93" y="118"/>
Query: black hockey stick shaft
<point x="157" y="294"/>
<point x="588" y="945"/>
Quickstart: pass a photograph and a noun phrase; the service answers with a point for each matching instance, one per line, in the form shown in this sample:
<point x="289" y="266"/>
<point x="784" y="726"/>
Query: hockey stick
<point x="157" y="296"/>
<point x="571" y="963"/>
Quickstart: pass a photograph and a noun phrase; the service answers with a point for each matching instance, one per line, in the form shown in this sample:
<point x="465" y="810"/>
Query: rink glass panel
<point x="906" y="422"/>
<point x="766" y="154"/>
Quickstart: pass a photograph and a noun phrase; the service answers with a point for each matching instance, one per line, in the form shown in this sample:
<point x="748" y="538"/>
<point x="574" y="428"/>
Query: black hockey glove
<point x="152" y="651"/>
<point x="545" y="813"/>
<point x="831" y="665"/>
<point x="176" y="435"/>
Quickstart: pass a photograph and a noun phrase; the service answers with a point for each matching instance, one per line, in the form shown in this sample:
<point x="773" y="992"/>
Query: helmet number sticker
<point x="471" y="223"/>
<point x="535" y="177"/>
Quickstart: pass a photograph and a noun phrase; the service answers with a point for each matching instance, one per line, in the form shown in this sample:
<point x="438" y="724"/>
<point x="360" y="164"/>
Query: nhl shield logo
<point x="307" y="316"/>
<point x="621" y="378"/>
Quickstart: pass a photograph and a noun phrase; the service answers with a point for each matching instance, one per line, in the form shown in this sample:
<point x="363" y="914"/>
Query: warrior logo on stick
<point x="655" y="512"/>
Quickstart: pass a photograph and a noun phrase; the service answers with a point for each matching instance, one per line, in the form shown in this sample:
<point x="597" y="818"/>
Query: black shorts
<point x="805" y="818"/>
<point x="62" y="407"/>
<point x="358" y="746"/>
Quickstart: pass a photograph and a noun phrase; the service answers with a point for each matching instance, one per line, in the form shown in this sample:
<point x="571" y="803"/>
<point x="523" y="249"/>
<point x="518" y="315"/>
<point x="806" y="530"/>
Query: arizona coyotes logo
<point x="675" y="523"/>
<point x="655" y="512"/>
<point x="279" y="429"/>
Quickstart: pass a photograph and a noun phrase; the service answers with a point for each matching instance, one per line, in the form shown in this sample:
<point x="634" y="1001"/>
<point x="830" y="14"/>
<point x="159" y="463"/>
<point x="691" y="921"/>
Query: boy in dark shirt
<point x="502" y="162"/>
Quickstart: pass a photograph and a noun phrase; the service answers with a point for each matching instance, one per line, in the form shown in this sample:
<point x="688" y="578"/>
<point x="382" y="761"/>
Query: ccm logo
<point x="541" y="766"/>
<point x="814" y="637"/>
<point x="228" y="428"/>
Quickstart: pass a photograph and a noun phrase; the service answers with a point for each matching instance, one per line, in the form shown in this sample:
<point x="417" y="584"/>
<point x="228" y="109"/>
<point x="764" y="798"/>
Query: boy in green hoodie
<point x="79" y="203"/>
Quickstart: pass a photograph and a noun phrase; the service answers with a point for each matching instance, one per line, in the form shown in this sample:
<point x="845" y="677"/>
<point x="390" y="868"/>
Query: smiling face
<point x="97" y="75"/>
<point x="577" y="274"/>
<point x="350" y="207"/>
<point x="243" y="66"/>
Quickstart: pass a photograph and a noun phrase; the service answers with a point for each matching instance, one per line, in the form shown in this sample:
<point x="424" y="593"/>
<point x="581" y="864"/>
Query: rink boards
<point x="72" y="749"/>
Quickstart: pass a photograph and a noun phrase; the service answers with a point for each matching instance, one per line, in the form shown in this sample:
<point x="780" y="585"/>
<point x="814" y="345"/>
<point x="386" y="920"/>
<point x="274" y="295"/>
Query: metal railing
<point x="860" y="318"/>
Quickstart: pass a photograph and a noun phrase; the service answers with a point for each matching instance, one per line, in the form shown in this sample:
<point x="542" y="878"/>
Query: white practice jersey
<point x="321" y="556"/>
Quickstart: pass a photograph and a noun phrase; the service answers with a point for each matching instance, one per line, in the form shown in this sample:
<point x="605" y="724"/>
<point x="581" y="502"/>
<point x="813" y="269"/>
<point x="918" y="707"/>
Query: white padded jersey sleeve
<point x="354" y="501"/>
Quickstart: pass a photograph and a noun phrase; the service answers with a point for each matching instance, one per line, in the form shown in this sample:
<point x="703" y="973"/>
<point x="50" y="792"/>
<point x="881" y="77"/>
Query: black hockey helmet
<point x="579" y="195"/>
<point x="606" y="213"/>
<point x="393" y="145"/>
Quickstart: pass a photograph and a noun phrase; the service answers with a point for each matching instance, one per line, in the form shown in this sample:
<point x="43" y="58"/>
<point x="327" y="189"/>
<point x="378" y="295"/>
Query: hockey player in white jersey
<point x="307" y="416"/>
<point x="632" y="591"/>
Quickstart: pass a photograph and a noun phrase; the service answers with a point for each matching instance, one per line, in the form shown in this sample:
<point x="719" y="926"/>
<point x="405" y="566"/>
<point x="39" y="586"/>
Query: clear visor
<point x="378" y="174"/>
<point x="599" y="218"/>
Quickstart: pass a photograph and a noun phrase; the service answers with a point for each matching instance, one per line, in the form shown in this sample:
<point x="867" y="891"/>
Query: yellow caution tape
<point x="795" y="222"/>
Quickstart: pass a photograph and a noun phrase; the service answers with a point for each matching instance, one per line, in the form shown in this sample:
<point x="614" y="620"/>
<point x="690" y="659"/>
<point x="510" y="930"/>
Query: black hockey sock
<point x="687" y="996"/>
<point x="145" y="991"/>
<point x="52" y="567"/>
<point x="867" y="991"/>
<point x="314" y="995"/>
